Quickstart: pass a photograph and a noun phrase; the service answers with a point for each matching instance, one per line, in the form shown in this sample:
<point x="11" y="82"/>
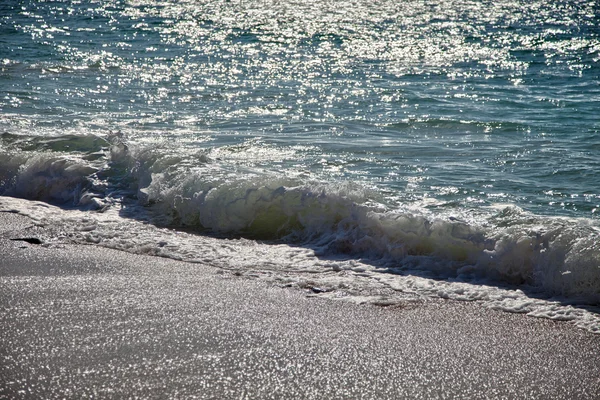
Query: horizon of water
<point x="375" y="152"/>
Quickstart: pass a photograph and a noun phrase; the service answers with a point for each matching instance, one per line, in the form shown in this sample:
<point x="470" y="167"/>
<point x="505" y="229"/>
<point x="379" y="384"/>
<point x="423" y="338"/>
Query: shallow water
<point x="450" y="143"/>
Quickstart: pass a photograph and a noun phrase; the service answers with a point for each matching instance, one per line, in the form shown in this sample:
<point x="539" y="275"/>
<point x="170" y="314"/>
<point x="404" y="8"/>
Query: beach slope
<point x="84" y="321"/>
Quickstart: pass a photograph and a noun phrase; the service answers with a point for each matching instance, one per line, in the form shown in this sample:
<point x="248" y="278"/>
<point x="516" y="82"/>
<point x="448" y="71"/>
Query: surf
<point x="501" y="244"/>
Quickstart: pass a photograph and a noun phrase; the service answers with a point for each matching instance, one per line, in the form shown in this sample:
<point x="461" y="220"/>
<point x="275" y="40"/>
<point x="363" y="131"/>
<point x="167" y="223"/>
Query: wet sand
<point x="83" y="321"/>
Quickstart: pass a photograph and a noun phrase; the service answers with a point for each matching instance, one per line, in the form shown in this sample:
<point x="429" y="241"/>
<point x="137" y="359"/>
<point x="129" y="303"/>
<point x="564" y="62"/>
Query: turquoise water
<point x="448" y="130"/>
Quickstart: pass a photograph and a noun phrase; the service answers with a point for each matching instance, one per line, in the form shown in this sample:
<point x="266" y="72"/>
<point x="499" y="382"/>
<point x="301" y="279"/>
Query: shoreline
<point x="84" y="320"/>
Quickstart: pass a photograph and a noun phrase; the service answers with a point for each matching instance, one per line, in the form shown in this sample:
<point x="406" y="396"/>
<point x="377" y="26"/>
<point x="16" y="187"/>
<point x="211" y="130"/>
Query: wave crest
<point x="556" y="255"/>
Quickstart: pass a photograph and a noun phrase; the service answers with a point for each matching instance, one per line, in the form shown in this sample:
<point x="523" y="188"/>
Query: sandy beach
<point x="84" y="321"/>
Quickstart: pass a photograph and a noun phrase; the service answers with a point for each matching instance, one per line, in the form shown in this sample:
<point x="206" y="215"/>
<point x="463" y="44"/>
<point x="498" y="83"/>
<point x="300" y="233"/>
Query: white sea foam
<point x="349" y="245"/>
<point x="308" y="267"/>
<point x="560" y="256"/>
<point x="46" y="177"/>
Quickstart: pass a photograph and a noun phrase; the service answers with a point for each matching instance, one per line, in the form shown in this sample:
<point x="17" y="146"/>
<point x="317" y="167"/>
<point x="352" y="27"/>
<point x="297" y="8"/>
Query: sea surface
<point x="372" y="151"/>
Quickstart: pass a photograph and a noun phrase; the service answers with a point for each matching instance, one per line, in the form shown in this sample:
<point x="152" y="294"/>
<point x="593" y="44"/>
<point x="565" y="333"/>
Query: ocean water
<point x="380" y="152"/>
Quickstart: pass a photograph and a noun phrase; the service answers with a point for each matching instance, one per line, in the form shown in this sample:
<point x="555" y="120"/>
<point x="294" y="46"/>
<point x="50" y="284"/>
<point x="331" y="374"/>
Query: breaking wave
<point x="206" y="193"/>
